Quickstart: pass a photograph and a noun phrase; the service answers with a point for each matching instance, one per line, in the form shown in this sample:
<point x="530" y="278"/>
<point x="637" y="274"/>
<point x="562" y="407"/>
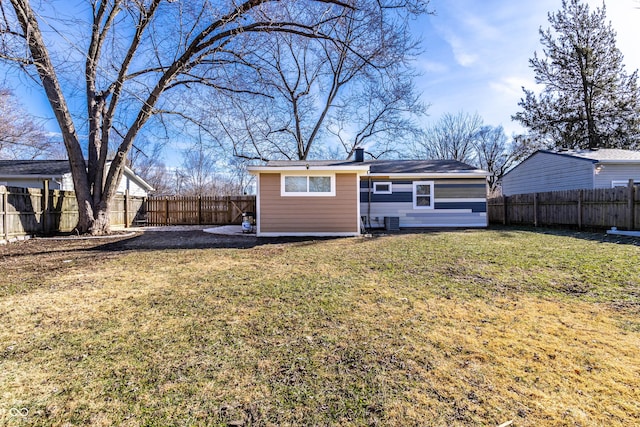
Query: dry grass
<point x="459" y="328"/>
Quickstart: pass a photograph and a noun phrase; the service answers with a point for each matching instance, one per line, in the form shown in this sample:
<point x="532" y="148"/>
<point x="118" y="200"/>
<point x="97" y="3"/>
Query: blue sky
<point x="476" y="53"/>
<point x="475" y="56"/>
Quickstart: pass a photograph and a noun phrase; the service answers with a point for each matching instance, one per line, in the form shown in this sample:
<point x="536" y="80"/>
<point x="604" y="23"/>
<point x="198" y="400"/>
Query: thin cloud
<point x="458" y="48"/>
<point x="511" y="86"/>
<point x="431" y="66"/>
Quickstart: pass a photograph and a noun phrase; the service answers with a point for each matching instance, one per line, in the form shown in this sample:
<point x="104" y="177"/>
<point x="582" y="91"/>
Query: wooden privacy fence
<point x="179" y="210"/>
<point x="28" y="211"/>
<point x="600" y="208"/>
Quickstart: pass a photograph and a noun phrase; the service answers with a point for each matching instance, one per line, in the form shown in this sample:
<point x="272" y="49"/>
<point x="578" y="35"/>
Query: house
<point x="545" y="171"/>
<point x="336" y="198"/>
<point x="33" y="173"/>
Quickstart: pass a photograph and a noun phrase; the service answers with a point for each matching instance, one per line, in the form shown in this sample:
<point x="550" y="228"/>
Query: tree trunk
<point x="101" y="223"/>
<point x="52" y="88"/>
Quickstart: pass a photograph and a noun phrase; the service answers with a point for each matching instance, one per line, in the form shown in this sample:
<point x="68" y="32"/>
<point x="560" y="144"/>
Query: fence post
<point x="126" y="208"/>
<point x="5" y="216"/>
<point x="580" y="209"/>
<point x="166" y="211"/>
<point x="199" y="210"/>
<point x="45" y="206"/>
<point x="535" y="209"/>
<point x="632" y="204"/>
<point x="505" y="209"/>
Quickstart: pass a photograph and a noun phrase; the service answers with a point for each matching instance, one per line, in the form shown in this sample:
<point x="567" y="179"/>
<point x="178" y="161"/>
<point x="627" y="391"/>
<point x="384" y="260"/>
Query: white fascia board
<point x="254" y="170"/>
<point x="479" y="174"/>
<point x="132" y="175"/>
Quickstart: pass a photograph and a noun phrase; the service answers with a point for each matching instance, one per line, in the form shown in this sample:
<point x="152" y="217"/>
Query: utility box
<point x="392" y="223"/>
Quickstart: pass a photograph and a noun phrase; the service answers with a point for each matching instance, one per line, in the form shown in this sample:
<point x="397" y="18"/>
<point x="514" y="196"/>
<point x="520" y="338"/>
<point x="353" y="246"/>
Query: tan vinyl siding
<point x="307" y="214"/>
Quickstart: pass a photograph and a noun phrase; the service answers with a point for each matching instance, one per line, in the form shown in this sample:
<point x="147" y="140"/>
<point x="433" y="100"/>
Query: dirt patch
<point x="41" y="256"/>
<point x="150" y="240"/>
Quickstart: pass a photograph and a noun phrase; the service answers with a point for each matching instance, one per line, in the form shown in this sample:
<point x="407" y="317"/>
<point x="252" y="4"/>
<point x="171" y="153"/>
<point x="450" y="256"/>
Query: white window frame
<point x="622" y="183"/>
<point x="307" y="193"/>
<point x="415" y="194"/>
<point x="376" y="191"/>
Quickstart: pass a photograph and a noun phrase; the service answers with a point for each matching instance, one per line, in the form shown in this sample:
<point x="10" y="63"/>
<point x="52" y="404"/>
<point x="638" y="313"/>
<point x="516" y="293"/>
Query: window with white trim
<point x="621" y="183"/>
<point x="382" y="188"/>
<point x="308" y="185"/>
<point x="423" y="195"/>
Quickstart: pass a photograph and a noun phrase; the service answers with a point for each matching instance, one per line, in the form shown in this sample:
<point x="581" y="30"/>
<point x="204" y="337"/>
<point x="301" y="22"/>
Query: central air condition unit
<point x="392" y="223"/>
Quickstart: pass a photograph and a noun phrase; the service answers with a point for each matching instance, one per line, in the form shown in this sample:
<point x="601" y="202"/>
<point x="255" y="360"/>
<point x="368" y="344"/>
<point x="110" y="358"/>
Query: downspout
<point x="369" y="201"/>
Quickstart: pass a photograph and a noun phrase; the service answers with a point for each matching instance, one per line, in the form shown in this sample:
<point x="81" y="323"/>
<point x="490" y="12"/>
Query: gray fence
<point x="33" y="211"/>
<point x="598" y="209"/>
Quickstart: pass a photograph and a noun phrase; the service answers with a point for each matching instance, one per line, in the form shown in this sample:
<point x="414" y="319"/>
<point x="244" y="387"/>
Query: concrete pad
<point x="229" y="230"/>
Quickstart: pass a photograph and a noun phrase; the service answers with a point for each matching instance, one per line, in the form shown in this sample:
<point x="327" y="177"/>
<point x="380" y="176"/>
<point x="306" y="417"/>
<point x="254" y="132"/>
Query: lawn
<point x="461" y="328"/>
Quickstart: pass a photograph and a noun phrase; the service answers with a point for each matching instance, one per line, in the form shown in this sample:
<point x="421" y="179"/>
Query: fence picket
<point x="27" y="211"/>
<point x="591" y="208"/>
<point x="184" y="210"/>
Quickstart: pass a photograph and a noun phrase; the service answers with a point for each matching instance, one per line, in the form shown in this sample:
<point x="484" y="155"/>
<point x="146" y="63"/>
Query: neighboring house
<point x="33" y="173"/>
<point x="545" y="171"/>
<point x="335" y="198"/>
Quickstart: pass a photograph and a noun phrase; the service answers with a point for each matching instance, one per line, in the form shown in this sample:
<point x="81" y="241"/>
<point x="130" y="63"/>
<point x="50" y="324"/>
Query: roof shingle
<point x="34" y="167"/>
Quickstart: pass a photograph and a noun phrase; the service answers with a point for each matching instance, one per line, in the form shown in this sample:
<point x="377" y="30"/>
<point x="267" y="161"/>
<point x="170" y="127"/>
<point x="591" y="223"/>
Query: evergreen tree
<point x="588" y="100"/>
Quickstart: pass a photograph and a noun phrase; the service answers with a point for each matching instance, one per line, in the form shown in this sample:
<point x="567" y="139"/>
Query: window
<point x="319" y="184"/>
<point x="308" y="185"/>
<point x="382" y="188"/>
<point x="295" y="184"/>
<point x="423" y="195"/>
<point x="623" y="183"/>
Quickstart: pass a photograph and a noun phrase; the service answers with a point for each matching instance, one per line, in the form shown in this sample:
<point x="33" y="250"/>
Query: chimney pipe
<point x="359" y="155"/>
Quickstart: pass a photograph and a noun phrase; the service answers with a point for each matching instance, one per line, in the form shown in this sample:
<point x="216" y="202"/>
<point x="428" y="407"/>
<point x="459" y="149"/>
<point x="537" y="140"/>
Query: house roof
<point x="51" y="168"/>
<point x="419" y="166"/>
<point x="34" y="167"/>
<point x="378" y="167"/>
<point x="603" y="155"/>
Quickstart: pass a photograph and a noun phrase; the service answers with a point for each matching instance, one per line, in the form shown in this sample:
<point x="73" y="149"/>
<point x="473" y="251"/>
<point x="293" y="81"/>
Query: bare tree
<point x="380" y="117"/>
<point x="463" y="137"/>
<point x="355" y="92"/>
<point x="495" y="154"/>
<point x="21" y="136"/>
<point x="145" y="159"/>
<point x="135" y="55"/>
<point x="240" y="180"/>
<point x="452" y="137"/>
<point x="198" y="170"/>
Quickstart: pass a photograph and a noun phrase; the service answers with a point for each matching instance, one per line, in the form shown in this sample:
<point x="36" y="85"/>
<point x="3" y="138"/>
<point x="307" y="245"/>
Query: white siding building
<point x="545" y="171"/>
<point x="33" y="173"/>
